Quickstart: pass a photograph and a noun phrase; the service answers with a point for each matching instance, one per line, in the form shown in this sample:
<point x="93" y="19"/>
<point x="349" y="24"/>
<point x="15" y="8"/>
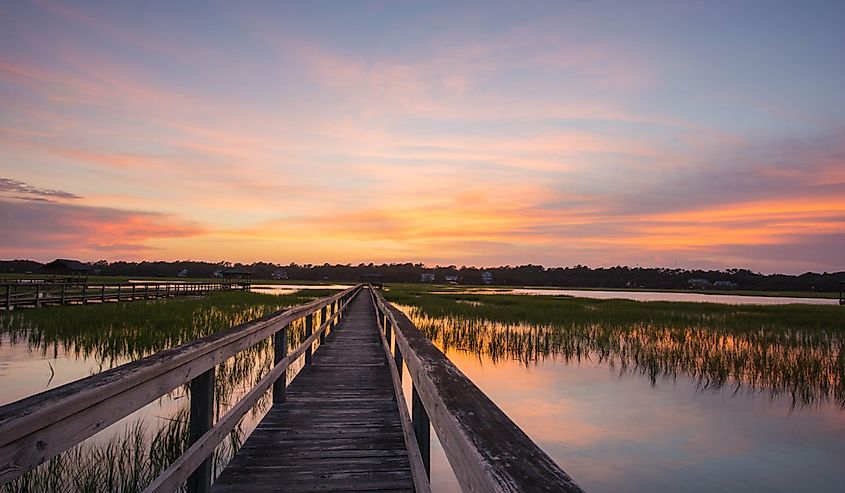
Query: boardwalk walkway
<point x="343" y="424"/>
<point x="339" y="429"/>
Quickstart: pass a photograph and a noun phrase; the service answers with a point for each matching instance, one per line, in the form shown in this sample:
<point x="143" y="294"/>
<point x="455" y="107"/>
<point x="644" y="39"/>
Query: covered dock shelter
<point x="66" y="270"/>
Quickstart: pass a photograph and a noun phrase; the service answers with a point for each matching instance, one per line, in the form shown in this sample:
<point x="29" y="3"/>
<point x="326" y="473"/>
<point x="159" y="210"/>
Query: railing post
<point x="398" y="358"/>
<point x="309" y="329"/>
<point x="63" y="293"/>
<point x="202" y="414"/>
<point x="133" y="292"/>
<point x="323" y="312"/>
<point x="118" y="292"/>
<point x="280" y="350"/>
<point x="8" y="297"/>
<point x="103" y="293"/>
<point x="422" y="428"/>
<point x="85" y="294"/>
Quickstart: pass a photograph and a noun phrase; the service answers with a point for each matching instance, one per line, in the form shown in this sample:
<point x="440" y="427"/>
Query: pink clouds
<point x="41" y="228"/>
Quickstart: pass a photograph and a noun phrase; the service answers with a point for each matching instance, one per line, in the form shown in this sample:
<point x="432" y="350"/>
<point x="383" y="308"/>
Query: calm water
<point x="731" y="299"/>
<point x="282" y="289"/>
<point x="621" y="427"/>
<point x="651" y="410"/>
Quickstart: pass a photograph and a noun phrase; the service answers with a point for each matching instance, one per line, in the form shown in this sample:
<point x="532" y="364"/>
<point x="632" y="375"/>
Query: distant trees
<point x="522" y="275"/>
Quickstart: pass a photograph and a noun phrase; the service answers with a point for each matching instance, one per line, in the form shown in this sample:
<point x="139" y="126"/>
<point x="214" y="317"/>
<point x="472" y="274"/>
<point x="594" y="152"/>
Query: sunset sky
<point x="674" y="134"/>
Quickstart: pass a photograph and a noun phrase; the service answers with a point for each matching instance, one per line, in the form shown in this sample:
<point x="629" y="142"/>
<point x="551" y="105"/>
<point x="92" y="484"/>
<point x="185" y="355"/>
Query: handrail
<point x="419" y="470"/>
<point x="487" y="451"/>
<point x="39" y="294"/>
<point x="36" y="428"/>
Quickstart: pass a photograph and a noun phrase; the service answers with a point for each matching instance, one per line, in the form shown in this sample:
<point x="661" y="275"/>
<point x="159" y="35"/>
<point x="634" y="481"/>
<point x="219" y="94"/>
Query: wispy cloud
<point x="8" y="185"/>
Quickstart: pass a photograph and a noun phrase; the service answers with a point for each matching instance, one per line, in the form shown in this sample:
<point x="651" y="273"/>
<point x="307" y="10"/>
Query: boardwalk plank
<point x="339" y="429"/>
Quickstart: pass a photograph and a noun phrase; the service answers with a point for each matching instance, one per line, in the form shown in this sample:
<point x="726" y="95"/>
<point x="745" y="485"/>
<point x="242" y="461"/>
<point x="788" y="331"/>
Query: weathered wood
<point x="339" y="429"/>
<point x="309" y="328"/>
<point x="201" y="450"/>
<point x="487" y="451"/>
<point x="397" y="357"/>
<point x="201" y="416"/>
<point x="41" y="294"/>
<point x="419" y="472"/>
<point x="422" y="428"/>
<point x="323" y="312"/>
<point x="38" y="427"/>
<point x="280" y="350"/>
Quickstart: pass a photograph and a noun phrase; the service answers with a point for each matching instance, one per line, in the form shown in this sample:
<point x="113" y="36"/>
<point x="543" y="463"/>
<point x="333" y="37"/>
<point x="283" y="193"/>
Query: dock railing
<point x="37" y="428"/>
<point x="38" y="294"/>
<point x="486" y="450"/>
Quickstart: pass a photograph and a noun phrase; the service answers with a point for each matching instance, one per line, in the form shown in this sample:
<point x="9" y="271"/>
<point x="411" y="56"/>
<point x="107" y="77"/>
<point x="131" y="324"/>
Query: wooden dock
<point x="40" y="294"/>
<point x="338" y="429"/>
<point x="343" y="424"/>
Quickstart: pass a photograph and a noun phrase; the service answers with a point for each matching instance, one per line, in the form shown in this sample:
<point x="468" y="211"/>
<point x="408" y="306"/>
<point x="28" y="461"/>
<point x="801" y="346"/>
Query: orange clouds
<point x="44" y="229"/>
<point x="749" y="223"/>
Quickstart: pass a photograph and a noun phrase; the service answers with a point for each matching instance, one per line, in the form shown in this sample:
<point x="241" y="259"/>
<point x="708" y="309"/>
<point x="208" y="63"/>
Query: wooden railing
<point x="486" y="450"/>
<point x="37" y="294"/>
<point x="39" y="427"/>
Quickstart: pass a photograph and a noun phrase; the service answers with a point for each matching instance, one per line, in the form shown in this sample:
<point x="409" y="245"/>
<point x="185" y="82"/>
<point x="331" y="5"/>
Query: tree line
<point x="521" y="275"/>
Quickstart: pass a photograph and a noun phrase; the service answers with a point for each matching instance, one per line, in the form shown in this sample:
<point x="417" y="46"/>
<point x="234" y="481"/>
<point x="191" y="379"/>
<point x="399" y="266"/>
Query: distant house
<point x="725" y="284"/>
<point x="426" y="277"/>
<point x="182" y="273"/>
<point x="69" y="270"/>
<point x="451" y="279"/>
<point x="698" y="283"/>
<point x="487" y="277"/>
<point x="218" y="273"/>
<point x="279" y="274"/>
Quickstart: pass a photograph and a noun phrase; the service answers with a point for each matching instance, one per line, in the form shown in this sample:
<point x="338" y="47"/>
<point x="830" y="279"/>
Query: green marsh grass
<point x="792" y="350"/>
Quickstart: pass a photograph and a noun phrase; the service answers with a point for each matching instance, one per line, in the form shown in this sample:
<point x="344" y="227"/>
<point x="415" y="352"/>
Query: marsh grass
<point x="136" y="452"/>
<point x="133" y="330"/>
<point x="126" y="463"/>
<point x="792" y="350"/>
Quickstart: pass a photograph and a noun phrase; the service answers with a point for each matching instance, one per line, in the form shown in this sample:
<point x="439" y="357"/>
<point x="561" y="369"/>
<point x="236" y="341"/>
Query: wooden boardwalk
<point x="343" y="424"/>
<point x="339" y="428"/>
<point x="41" y="294"/>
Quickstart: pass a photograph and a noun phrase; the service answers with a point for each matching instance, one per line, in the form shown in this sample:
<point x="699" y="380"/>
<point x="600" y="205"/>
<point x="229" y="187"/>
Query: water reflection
<point x="731" y="299"/>
<point x="647" y="407"/>
<point x="74" y="342"/>
<point x="807" y="366"/>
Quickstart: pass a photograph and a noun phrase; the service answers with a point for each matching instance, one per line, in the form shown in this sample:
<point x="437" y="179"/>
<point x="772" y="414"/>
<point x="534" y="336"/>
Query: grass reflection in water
<point x="138" y="449"/>
<point x="792" y="350"/>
